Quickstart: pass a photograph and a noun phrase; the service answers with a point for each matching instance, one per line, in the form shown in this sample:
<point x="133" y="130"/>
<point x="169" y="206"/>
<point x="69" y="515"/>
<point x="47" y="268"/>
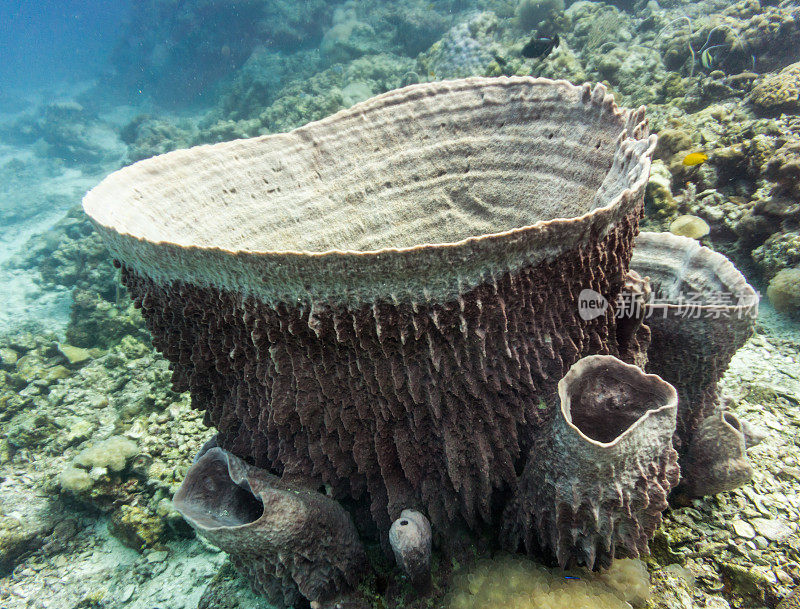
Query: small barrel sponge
<point x="716" y="460"/>
<point x="598" y="482"/>
<point x="410" y="538"/>
<point x="291" y="543"/>
<point x="702" y="310"/>
<point x="380" y="300"/>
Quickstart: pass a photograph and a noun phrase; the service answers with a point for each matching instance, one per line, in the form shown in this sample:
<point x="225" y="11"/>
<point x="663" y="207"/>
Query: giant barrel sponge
<point x="384" y="301"/>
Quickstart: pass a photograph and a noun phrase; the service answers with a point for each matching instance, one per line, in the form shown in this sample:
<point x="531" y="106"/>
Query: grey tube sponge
<point x="716" y="460"/>
<point x="410" y="538"/>
<point x="599" y="480"/>
<point x="291" y="543"/>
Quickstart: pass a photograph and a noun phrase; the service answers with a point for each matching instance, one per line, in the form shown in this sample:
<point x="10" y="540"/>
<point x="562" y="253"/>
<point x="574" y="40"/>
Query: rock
<point x="157" y="556"/>
<point x="792" y="601"/>
<point x="773" y="529"/>
<point x="744" y="581"/>
<point x="57" y="373"/>
<point x="228" y="590"/>
<point x="670" y="591"/>
<point x="136" y="528"/>
<point x="781" y="250"/>
<point x="16" y="538"/>
<point x="742" y="528"/>
<point x="127" y="593"/>
<point x="75" y="355"/>
<point x="8" y="357"/>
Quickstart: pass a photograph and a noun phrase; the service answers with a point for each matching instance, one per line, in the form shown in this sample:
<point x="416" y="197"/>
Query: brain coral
<point x="784" y="291"/>
<point x="385" y="301"/>
<point x="778" y="92"/>
<point x="515" y="583"/>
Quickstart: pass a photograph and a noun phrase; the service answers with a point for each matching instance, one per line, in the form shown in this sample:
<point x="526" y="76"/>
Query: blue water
<point x="48" y="42"/>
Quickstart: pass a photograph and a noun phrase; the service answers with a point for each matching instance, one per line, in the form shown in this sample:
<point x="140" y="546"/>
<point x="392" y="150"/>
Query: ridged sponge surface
<point x="381" y="300"/>
<point x="702" y="311"/>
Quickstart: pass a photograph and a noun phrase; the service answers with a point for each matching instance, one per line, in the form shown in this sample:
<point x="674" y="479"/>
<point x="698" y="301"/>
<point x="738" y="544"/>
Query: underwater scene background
<point x="97" y="429"/>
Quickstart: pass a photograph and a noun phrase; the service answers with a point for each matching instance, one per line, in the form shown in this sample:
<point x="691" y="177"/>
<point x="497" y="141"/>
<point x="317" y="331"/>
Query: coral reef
<point x="711" y="75"/>
<point x="320" y="95"/>
<point x="148" y="136"/>
<point x="66" y="130"/>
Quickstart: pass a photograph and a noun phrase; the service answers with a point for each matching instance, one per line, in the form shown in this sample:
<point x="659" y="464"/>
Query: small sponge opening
<point x="605" y="401"/>
<point x="211" y="499"/>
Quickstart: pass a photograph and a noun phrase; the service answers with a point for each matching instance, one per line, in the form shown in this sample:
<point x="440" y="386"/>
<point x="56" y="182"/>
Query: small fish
<point x="707" y="59"/>
<point x="695" y="158"/>
<point x="539" y="47"/>
<point x="431" y="73"/>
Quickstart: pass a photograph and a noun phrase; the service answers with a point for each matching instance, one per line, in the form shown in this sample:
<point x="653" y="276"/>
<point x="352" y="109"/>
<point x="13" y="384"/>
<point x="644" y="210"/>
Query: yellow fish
<point x="695" y="158"/>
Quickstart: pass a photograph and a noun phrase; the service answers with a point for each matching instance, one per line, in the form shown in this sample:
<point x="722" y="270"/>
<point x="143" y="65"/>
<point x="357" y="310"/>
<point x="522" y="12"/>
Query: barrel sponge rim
<point x="92" y="202"/>
<point x="695" y="254"/>
<point x="658" y="386"/>
<point x="260" y="271"/>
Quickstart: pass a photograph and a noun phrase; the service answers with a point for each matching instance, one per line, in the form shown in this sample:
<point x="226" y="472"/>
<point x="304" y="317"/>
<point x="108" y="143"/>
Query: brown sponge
<point x="382" y="300"/>
<point x="598" y="480"/>
<point x="701" y="312"/>
<point x="292" y="543"/>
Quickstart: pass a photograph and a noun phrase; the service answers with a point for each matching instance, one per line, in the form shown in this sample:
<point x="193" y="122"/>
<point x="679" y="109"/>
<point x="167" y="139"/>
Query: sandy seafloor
<point x="57" y="550"/>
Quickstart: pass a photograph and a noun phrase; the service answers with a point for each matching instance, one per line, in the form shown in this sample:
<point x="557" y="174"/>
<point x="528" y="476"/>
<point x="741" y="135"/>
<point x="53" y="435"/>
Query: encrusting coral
<point x="517" y="583"/>
<point x="386" y="306"/>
